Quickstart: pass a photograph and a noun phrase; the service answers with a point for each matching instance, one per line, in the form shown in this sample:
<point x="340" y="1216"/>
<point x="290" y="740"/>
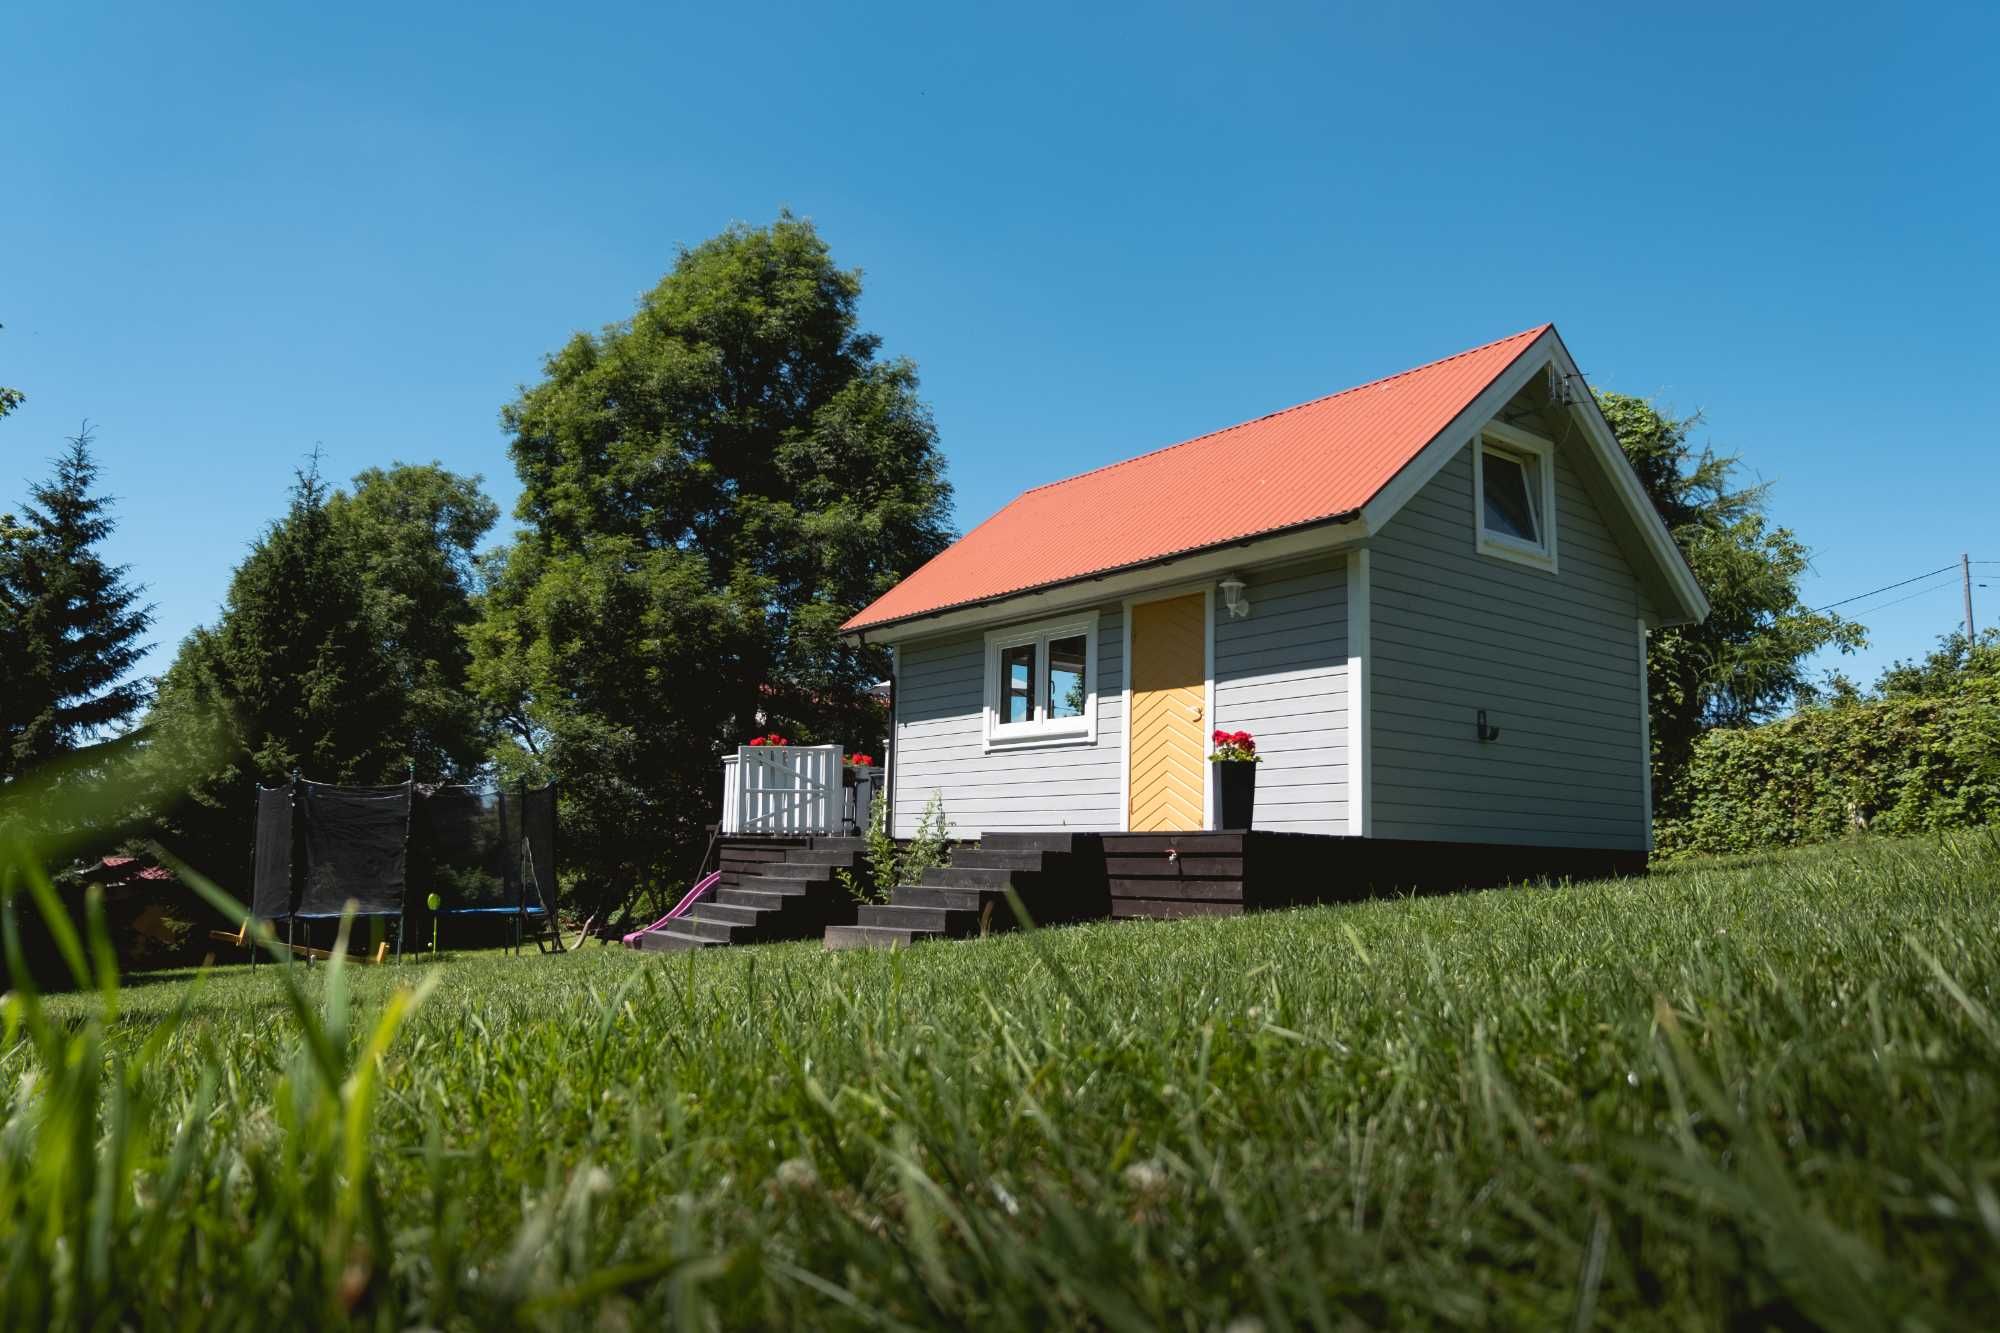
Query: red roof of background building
<point x="124" y="869"/>
<point x="1311" y="463"/>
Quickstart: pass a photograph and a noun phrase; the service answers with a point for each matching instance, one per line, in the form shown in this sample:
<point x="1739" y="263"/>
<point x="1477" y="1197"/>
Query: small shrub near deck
<point x="1898" y="765"/>
<point x="1759" y="1095"/>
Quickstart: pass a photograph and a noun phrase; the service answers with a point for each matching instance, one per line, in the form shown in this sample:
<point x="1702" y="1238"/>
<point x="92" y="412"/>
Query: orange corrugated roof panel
<point x="1306" y="464"/>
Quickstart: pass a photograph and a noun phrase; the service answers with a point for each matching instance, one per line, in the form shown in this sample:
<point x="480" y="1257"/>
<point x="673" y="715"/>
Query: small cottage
<point x="1427" y="598"/>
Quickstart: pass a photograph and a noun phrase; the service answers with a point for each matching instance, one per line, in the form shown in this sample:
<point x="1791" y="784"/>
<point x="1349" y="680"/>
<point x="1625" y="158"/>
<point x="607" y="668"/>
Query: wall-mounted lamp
<point x="1233" y="598"/>
<point x="1487" y="731"/>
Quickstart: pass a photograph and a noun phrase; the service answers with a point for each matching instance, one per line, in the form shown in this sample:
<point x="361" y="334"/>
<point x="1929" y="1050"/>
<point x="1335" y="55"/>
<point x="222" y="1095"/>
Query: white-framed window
<point x="1514" y="497"/>
<point x="1041" y="683"/>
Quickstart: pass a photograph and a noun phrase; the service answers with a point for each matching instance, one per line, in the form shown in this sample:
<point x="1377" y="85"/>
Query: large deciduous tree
<point x="338" y="653"/>
<point x="1747" y="661"/>
<point x="710" y="489"/>
<point x="415" y="531"/>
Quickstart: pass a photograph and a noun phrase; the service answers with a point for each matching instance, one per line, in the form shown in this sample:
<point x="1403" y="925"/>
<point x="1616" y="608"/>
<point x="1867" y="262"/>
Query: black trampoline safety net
<point x="384" y="849"/>
<point x="487" y="851"/>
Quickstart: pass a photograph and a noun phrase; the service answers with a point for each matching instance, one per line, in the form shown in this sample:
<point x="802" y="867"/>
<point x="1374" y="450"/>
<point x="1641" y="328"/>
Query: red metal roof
<point x="1314" y="462"/>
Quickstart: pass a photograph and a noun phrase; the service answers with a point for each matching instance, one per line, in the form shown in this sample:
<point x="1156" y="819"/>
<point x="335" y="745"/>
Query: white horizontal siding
<point x="940" y="702"/>
<point x="1281" y="674"/>
<point x="1553" y="659"/>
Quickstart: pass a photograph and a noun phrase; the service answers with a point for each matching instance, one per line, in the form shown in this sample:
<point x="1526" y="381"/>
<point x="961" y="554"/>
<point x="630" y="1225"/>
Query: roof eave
<point x="1547" y="349"/>
<point x="1331" y="531"/>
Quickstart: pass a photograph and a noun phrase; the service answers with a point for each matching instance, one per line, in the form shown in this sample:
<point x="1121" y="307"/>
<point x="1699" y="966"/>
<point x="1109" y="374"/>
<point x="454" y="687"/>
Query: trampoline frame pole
<point x="292" y="873"/>
<point x="409" y="823"/>
<point x="523" y="855"/>
<point x="248" y="934"/>
<point x="500" y="814"/>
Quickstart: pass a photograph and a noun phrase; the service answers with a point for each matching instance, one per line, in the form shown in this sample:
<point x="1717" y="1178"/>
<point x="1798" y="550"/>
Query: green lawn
<point x="1765" y="1093"/>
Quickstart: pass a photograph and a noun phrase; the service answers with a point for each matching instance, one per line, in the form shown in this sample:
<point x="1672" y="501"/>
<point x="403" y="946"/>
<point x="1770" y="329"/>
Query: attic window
<point x="1514" y="497"/>
<point x="1041" y="684"/>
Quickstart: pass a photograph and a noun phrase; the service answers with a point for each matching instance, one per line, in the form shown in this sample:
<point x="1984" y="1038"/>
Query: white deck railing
<point x="790" y="790"/>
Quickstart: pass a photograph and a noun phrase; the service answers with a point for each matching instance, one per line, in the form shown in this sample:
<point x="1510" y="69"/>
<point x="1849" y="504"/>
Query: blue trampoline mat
<point x="335" y="916"/>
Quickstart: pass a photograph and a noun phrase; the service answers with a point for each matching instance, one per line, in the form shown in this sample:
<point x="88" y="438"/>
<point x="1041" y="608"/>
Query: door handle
<point x="1194" y="711"/>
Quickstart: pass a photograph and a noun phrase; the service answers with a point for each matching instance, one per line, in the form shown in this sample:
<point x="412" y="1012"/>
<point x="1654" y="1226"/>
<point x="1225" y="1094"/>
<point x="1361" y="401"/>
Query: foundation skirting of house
<point x="1224" y="874"/>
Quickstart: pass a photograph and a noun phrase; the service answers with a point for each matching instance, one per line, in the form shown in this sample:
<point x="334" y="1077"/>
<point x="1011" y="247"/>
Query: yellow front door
<point x="1168" y="740"/>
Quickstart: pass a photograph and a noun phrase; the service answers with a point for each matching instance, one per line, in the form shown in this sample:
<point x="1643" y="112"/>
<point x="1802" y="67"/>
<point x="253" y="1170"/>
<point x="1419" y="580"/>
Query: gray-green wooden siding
<point x="1552" y="658"/>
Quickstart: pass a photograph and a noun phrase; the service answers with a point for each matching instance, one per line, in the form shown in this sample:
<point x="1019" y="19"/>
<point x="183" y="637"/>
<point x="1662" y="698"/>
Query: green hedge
<point x="1902" y="765"/>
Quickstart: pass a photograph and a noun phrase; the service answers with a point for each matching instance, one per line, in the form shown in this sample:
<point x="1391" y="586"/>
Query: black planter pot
<point x="1236" y="792"/>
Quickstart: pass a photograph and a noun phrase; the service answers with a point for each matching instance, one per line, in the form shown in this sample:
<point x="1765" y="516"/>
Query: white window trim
<point x="1044" y="732"/>
<point x="1505" y="439"/>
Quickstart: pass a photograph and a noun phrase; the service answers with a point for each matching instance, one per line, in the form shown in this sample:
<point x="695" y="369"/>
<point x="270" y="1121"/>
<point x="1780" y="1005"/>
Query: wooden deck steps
<point x="1057" y="876"/>
<point x="770" y="889"/>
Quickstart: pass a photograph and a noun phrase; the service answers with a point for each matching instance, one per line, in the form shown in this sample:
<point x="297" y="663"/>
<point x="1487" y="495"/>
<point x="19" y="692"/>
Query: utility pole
<point x="1965" y="577"/>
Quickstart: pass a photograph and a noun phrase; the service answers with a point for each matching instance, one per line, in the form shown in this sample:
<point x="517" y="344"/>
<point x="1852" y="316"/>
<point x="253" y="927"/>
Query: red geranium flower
<point x="1234" y="746"/>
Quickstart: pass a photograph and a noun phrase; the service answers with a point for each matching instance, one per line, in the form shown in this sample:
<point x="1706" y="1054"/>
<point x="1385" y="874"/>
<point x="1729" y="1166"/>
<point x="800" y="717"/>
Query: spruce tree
<point x="332" y="658"/>
<point x="72" y="626"/>
<point x="1746" y="662"/>
<point x="293" y="670"/>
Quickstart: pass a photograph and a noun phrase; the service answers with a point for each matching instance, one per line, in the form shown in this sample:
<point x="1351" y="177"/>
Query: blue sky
<point x="230" y="233"/>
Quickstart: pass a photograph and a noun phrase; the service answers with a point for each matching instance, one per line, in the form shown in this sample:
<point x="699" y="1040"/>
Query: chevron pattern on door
<point x="1169" y="693"/>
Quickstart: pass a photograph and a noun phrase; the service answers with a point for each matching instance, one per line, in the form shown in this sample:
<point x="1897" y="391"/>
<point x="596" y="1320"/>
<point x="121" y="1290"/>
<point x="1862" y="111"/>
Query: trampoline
<point x="381" y="852"/>
<point x="325" y="851"/>
<point x="488" y="853"/>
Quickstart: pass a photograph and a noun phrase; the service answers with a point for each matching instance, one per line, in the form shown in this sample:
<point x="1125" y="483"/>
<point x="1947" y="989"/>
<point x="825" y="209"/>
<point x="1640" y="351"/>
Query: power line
<point x="1891" y="587"/>
<point x="1898" y="601"/>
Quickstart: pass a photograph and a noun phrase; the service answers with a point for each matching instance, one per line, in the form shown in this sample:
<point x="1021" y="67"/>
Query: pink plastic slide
<point x="693" y="896"/>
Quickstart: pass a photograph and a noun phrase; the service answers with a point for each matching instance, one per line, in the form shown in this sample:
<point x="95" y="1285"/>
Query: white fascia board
<point x="1444" y="446"/>
<point x="1545" y="351"/>
<point x="1639" y="507"/>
